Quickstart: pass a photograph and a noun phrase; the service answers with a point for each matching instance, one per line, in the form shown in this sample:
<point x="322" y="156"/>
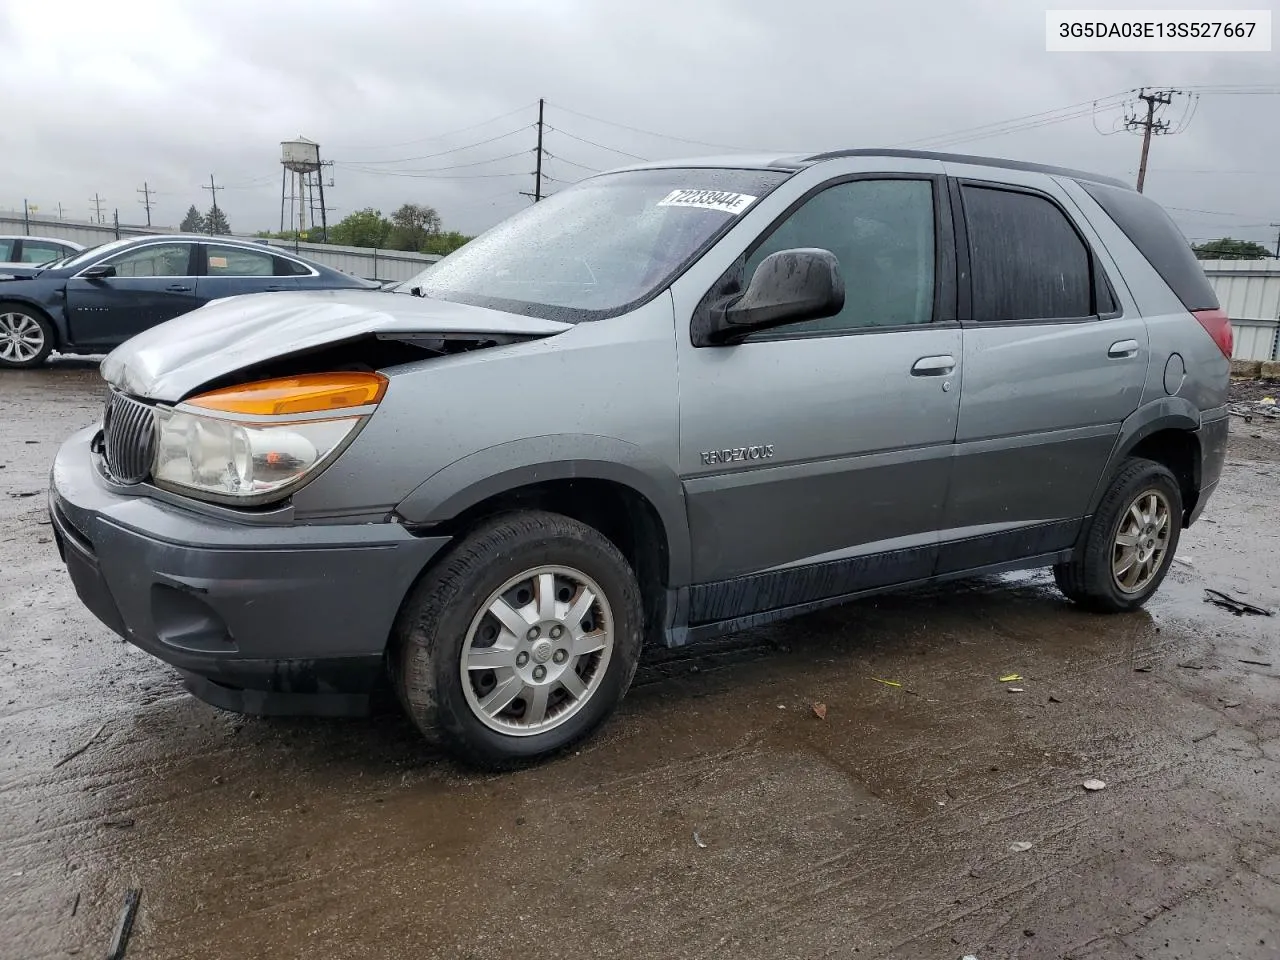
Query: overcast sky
<point x="104" y="96"/>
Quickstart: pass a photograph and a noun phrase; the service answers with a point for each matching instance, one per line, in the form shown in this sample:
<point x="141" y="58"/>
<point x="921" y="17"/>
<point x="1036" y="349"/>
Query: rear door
<point x="231" y="270"/>
<point x="152" y="283"/>
<point x="816" y="455"/>
<point x="1054" y="361"/>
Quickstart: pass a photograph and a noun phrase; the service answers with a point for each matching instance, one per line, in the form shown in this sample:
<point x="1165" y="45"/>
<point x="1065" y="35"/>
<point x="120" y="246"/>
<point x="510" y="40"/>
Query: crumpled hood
<point x="169" y="361"/>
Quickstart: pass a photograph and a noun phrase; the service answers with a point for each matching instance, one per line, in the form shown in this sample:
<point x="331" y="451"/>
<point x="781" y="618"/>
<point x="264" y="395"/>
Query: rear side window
<point x="1026" y="259"/>
<point x="6" y="249"/>
<point x="1152" y="231"/>
<point x="290" y="268"/>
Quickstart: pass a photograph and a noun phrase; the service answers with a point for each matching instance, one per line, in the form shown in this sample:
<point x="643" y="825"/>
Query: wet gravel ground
<point x="716" y="816"/>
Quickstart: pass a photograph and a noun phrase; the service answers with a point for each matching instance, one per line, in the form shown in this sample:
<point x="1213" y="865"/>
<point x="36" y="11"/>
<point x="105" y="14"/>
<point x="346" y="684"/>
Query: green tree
<point x="444" y="243"/>
<point x="411" y="225"/>
<point x="1228" y="249"/>
<point x="364" y="228"/>
<point x="215" y="222"/>
<point x="193" y="222"/>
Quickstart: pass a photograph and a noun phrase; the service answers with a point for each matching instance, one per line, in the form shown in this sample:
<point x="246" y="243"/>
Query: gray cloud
<point x="103" y="97"/>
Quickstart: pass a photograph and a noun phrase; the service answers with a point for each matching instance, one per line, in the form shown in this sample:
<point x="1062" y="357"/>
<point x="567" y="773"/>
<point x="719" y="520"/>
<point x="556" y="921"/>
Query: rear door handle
<point x="1123" y="349"/>
<point x="933" y="366"/>
<point x="178" y="288"/>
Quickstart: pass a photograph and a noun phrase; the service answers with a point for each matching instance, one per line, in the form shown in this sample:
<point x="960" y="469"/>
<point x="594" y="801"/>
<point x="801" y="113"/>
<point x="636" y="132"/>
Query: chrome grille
<point x="128" y="433"/>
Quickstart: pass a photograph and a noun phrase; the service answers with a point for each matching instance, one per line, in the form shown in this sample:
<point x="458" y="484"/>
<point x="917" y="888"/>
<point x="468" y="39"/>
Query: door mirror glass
<point x="787" y="287"/>
<point x="99" y="271"/>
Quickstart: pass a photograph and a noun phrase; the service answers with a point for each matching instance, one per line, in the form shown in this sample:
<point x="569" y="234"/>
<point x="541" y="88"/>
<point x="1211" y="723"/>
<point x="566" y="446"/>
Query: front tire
<point x="1129" y="543"/>
<point x="520" y="641"/>
<point x="26" y="336"/>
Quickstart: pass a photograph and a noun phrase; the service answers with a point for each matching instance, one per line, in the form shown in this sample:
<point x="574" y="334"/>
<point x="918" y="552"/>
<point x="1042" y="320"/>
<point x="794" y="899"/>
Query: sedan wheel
<point x="25" y="340"/>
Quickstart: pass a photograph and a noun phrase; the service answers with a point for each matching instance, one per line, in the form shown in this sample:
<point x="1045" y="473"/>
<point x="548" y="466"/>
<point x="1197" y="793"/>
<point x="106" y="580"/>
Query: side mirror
<point x="789" y="286"/>
<point x="99" y="271"/>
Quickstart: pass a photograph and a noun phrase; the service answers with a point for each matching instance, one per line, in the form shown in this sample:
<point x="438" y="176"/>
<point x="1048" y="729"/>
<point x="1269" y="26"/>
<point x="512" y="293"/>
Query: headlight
<point x="257" y="442"/>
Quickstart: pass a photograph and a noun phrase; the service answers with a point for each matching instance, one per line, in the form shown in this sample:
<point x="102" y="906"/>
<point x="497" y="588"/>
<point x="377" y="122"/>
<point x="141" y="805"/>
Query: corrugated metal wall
<point x="1249" y="291"/>
<point x="358" y="261"/>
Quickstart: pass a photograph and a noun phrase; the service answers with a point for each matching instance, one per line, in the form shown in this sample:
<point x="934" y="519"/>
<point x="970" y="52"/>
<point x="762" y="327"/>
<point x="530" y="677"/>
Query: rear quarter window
<point x="1155" y="234"/>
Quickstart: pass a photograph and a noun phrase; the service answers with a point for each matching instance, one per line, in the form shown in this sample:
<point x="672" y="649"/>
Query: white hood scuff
<point x="171" y="360"/>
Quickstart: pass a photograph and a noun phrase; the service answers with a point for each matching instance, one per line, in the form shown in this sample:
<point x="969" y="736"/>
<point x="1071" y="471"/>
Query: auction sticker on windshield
<point x="721" y="200"/>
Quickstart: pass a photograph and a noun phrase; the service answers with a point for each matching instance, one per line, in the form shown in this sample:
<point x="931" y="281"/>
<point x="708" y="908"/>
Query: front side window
<point x="235" y="262"/>
<point x="598" y="248"/>
<point x="156" y="260"/>
<point x="882" y="234"/>
<point x="1026" y="259"/>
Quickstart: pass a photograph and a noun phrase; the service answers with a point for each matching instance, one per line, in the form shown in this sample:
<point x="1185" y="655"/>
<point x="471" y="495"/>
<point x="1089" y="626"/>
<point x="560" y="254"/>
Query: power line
<point x="961" y="135"/>
<point x="429" y="176"/>
<point x="452" y="166"/>
<point x="573" y="163"/>
<point x="428" y="156"/>
<point x="571" y="136"/>
<point x="449" y="133"/>
<point x="651" y="133"/>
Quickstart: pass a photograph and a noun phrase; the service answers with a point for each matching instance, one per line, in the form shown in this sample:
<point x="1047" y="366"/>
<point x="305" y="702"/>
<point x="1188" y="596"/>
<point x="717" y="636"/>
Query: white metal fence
<point x="1249" y="291"/>
<point x="367" y="262"/>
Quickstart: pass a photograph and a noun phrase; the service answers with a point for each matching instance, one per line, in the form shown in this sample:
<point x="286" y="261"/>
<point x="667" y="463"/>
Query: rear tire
<point x="1129" y="543"/>
<point x="520" y="641"/>
<point x="26" y="336"/>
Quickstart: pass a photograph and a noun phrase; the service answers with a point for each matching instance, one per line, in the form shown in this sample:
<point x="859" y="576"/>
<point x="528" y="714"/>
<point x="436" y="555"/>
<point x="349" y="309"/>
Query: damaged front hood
<point x="169" y="361"/>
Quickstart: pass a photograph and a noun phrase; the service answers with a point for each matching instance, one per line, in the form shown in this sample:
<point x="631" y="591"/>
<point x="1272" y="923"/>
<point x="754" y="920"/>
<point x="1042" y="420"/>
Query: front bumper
<point x="257" y="618"/>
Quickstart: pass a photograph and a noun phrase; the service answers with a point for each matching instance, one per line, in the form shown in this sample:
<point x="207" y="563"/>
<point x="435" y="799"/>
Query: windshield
<point x="599" y="248"/>
<point x="77" y="259"/>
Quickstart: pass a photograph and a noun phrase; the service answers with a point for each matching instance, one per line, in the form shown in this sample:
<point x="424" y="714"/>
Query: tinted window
<point x="1027" y="261"/>
<point x="235" y="262"/>
<point x="156" y="260"/>
<point x="882" y="233"/>
<point x="290" y="268"/>
<point x="1151" y="230"/>
<point x="40" y="251"/>
<point x="6" y="250"/>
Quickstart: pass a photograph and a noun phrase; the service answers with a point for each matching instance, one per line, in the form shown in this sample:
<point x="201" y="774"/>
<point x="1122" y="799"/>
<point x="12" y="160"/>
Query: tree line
<point x="413" y="226"/>
<point x="1228" y="249"/>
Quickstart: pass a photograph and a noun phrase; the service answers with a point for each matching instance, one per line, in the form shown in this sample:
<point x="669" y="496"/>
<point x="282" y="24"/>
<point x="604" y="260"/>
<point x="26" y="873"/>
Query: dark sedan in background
<point x="94" y="301"/>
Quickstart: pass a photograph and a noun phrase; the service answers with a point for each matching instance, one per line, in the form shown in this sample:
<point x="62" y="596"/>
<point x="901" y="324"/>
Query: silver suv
<point x="668" y="403"/>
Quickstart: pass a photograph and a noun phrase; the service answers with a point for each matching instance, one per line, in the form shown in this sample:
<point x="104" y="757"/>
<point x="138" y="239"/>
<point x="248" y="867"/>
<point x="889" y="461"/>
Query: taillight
<point x="1218" y="326"/>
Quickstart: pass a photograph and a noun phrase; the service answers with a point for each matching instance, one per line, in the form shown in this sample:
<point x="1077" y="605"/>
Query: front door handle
<point x="1123" y="349"/>
<point x="933" y="366"/>
<point x="178" y="288"/>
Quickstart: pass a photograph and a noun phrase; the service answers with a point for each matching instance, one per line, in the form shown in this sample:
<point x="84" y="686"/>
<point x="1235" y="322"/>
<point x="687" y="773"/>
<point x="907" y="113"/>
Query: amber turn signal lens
<point x="307" y="393"/>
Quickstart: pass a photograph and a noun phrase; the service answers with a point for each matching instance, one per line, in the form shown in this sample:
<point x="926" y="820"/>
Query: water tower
<point x="301" y="186"/>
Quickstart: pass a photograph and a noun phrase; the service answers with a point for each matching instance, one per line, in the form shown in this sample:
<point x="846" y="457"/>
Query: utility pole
<point x="26" y="217"/>
<point x="115" y="218"/>
<point x="537" y="173"/>
<point x="213" y="188"/>
<point x="146" y="200"/>
<point x="59" y="209"/>
<point x="1150" y="125"/>
<point x="97" y="208"/>
<point x="1277" y="241"/>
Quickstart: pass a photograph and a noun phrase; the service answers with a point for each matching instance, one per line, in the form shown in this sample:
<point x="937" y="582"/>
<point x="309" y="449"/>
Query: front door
<point x="1053" y="362"/>
<point x="816" y="456"/>
<point x="152" y="283"/>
